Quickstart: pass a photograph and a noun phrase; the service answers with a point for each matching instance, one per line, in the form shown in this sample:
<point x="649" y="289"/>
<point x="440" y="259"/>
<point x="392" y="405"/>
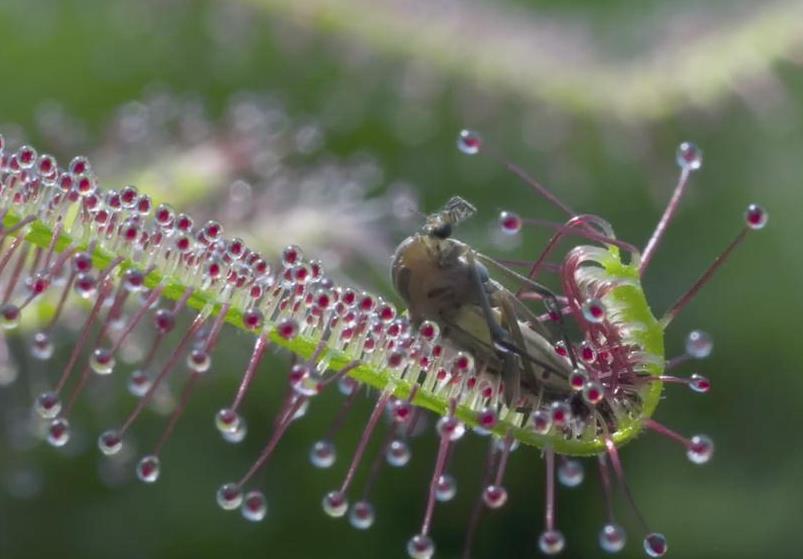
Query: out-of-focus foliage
<point x="574" y="113"/>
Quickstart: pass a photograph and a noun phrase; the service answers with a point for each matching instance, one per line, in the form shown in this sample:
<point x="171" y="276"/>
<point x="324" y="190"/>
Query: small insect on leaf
<point x="576" y="369"/>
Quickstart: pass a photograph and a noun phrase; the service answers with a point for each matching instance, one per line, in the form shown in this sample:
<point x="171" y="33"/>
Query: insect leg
<point x="498" y="334"/>
<point x="550" y="299"/>
<point x="512" y="322"/>
<point x="511" y="375"/>
<point x="510" y="372"/>
<point x="532" y="284"/>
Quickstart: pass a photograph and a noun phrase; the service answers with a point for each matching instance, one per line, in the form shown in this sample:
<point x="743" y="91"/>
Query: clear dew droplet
<point x="9" y="316"/>
<point x="469" y="142"/>
<point x="510" y="223"/>
<point x="396" y="360"/>
<point x="655" y="545"/>
<point x="301" y="411"/>
<point x="116" y="323"/>
<point x="139" y="382"/>
<point x="134" y="280"/>
<point x="446" y="488"/>
<point x="541" y="420"/>
<point x="287" y="328"/>
<point x="227" y="420"/>
<point x="238" y="435"/>
<point x="41" y="346"/>
<point x="346" y="385"/>
<point x="335" y="504"/>
<point x="480" y="432"/>
<point x="689" y="157"/>
<point x="26" y="156"/>
<point x="551" y="542"/>
<point x="8" y="374"/>
<point x="110" y="443"/>
<point x="322" y="454"/>
<point x="420" y="546"/>
<point x="401" y="411"/>
<point x="85" y="285"/>
<point x="429" y="330"/>
<point x="756" y="217"/>
<point x="612" y="538"/>
<point x="80" y="164"/>
<point x="102" y="361"/>
<point x="451" y="427"/>
<point x="164" y="320"/>
<point x="308" y="384"/>
<point x="58" y="432"/>
<point x="229" y="496"/>
<point x="47" y="405"/>
<point x="82" y="262"/>
<point x="699" y="344"/>
<point x="699" y="383"/>
<point x="561" y="413"/>
<point x="700" y="449"/>
<point x="398" y="453"/>
<point x="362" y="515"/>
<point x="501" y="444"/>
<point x="198" y="361"/>
<point x="571" y="473"/>
<point x="148" y="469"/>
<point x="593" y="393"/>
<point x="578" y="379"/>
<point x="594" y="311"/>
<point x="254" y="506"/>
<point x="253" y="319"/>
<point x="587" y="352"/>
<point x="291" y="255"/>
<point x="463" y="363"/>
<point x="494" y="496"/>
<point x="487" y="418"/>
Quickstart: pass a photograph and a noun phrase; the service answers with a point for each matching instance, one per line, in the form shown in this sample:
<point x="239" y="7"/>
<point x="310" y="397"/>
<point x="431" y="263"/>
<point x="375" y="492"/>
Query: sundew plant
<point x="558" y="358"/>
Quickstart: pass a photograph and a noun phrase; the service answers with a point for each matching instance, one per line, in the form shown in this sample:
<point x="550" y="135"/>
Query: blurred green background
<point x="591" y="97"/>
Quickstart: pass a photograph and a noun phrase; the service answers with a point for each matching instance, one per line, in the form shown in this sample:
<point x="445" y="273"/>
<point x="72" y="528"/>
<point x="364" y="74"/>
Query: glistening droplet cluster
<point x="145" y="268"/>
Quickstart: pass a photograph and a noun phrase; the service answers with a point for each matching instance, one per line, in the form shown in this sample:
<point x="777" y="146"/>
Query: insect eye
<point x="443" y="231"/>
